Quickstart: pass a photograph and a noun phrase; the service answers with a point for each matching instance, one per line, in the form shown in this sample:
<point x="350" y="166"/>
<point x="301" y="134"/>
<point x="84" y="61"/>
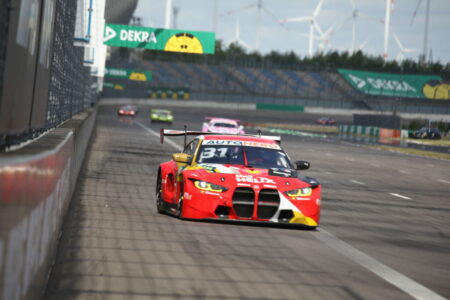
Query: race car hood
<point x="275" y="178"/>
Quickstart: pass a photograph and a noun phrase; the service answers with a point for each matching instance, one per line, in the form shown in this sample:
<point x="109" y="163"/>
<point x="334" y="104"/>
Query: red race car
<point x="236" y="177"/>
<point x="326" y="121"/>
<point x="127" y="110"/>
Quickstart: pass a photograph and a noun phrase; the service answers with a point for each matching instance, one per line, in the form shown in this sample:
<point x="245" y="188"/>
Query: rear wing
<point x="210" y="118"/>
<point x="171" y="132"/>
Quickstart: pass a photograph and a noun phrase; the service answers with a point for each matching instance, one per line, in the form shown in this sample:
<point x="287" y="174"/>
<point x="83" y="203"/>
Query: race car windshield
<point x="226" y="125"/>
<point x="257" y="157"/>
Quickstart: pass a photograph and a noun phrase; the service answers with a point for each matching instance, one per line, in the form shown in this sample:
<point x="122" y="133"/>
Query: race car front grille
<point x="244" y="202"/>
<point x="268" y="203"/>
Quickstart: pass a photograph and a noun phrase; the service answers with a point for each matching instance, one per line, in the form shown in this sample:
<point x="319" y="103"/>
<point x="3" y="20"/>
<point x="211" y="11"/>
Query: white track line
<point x="400" y="196"/>
<point x="152" y="132"/>
<point x="409" y="286"/>
<point x="443" y="180"/>
<point x="404" y="172"/>
<point x="349" y="159"/>
<point x="375" y="165"/>
<point x="357" y="182"/>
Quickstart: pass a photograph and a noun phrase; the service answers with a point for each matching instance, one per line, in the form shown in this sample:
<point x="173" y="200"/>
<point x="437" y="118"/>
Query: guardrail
<point x="36" y="186"/>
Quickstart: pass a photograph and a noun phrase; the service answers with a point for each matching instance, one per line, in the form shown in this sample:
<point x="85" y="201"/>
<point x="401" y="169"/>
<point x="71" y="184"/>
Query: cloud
<point x="199" y="15"/>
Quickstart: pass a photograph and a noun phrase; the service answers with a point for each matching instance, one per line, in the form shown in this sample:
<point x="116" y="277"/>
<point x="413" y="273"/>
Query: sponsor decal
<point x="207" y="168"/>
<point x="281" y="172"/>
<point x="261" y="145"/>
<point x="251" y="179"/>
<point x="270" y="186"/>
<point x="223" y="142"/>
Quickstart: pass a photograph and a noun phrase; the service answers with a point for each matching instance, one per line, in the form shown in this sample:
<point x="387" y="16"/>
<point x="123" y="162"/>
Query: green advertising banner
<point x="174" y="40"/>
<point x="169" y="93"/>
<point x="113" y="86"/>
<point x="128" y="74"/>
<point x="397" y="85"/>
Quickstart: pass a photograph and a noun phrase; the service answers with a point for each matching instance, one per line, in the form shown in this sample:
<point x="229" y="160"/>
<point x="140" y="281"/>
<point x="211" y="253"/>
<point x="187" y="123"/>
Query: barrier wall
<point x="371" y="134"/>
<point x="36" y="185"/>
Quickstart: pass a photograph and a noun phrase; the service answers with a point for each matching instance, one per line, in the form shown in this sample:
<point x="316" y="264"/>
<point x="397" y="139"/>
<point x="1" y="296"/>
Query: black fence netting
<point x="36" y="96"/>
<point x="70" y="81"/>
<point x="4" y="17"/>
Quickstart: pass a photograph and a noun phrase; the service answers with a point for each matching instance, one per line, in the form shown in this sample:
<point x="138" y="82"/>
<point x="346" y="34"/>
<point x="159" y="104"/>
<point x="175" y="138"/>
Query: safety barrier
<point x="371" y="134"/>
<point x="36" y="185"/>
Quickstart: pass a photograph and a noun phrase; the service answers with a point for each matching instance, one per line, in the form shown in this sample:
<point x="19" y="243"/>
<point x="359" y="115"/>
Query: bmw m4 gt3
<point x="239" y="178"/>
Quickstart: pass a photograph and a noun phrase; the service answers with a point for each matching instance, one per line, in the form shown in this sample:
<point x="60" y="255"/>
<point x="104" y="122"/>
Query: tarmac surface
<point x="384" y="232"/>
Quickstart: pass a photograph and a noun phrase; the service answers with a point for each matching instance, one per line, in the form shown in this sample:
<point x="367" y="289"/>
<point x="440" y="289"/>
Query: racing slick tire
<point x="179" y="212"/>
<point x="159" y="200"/>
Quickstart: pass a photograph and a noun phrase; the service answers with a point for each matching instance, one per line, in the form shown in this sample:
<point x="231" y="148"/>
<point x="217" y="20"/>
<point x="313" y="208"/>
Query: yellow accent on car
<point x="302" y="219"/>
<point x="206" y="186"/>
<point x="253" y="171"/>
<point x="303" y="192"/>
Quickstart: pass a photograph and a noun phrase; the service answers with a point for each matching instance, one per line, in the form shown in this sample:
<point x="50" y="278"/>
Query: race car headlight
<point x="303" y="192"/>
<point x="207" y="186"/>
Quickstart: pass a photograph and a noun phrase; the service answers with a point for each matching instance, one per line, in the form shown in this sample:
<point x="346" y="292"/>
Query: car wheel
<point x="180" y="205"/>
<point x="159" y="200"/>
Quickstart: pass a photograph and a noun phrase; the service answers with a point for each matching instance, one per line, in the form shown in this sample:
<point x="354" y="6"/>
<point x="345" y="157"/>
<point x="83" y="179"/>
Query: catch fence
<point x="44" y="81"/>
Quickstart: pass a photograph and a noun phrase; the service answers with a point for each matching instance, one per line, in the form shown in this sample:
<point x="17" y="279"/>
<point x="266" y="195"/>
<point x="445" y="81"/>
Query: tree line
<point x="235" y="54"/>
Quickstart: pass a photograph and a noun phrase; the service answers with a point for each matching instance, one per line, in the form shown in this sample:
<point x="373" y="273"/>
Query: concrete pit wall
<point x="36" y="185"/>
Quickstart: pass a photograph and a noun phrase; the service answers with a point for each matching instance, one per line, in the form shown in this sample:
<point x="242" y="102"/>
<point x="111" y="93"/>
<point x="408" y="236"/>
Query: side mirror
<point x="302" y="165"/>
<point x="182" y="158"/>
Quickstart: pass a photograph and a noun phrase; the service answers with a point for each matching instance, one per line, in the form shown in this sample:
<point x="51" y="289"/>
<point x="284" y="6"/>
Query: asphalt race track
<point x="384" y="234"/>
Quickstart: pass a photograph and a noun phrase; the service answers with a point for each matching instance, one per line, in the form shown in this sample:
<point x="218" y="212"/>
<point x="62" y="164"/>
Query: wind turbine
<point x="362" y="45"/>
<point x="354" y="16"/>
<point x="325" y="37"/>
<point x="259" y="5"/>
<point x="401" y="53"/>
<point x="313" y="25"/>
<point x="427" y="23"/>
<point x="237" y="36"/>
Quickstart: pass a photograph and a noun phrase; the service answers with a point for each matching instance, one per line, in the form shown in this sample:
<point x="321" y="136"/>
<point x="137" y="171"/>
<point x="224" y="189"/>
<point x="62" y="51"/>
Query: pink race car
<point x="221" y="125"/>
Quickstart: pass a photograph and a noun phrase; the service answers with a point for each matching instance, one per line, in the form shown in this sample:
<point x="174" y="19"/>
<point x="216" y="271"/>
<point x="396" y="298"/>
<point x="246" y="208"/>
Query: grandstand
<point x="228" y="82"/>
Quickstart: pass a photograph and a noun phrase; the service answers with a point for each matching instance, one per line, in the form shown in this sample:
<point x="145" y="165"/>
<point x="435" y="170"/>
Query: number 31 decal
<point x="211" y="152"/>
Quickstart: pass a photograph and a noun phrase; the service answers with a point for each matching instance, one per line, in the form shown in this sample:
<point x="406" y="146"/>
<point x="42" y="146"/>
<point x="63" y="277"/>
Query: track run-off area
<point x="384" y="232"/>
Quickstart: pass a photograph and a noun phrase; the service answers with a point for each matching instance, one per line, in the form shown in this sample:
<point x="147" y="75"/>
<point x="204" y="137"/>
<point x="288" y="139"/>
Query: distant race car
<point x="427" y="133"/>
<point x="222" y="125"/>
<point x="237" y="178"/>
<point x="127" y="110"/>
<point x="326" y="121"/>
<point x="161" y="115"/>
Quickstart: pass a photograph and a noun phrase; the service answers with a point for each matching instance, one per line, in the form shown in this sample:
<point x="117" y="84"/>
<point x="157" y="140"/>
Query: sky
<point x="199" y="15"/>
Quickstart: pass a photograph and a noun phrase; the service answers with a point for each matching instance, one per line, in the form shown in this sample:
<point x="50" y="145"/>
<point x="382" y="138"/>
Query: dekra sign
<point x="137" y="36"/>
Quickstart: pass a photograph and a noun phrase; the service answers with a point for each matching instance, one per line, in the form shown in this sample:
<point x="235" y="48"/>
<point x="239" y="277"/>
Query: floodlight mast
<point x="168" y="18"/>
<point x="387" y="21"/>
<point x="425" y="35"/>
